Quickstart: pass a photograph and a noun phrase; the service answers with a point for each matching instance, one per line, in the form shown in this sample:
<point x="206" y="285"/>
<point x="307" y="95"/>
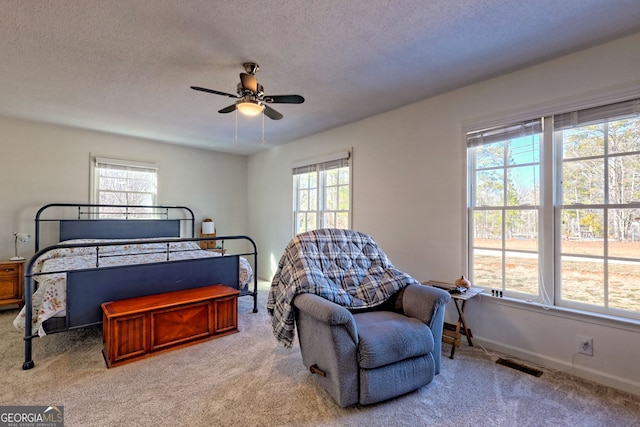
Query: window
<point x="554" y="214"/>
<point x="505" y="205"/>
<point x="322" y="194"/>
<point x="121" y="182"/>
<point x="598" y="209"/>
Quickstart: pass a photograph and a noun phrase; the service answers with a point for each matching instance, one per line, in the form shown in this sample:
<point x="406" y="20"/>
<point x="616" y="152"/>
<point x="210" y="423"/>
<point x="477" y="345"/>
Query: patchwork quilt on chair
<point x="343" y="266"/>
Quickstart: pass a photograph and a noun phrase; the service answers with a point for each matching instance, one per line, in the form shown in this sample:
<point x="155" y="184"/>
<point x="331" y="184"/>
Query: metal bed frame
<point x="127" y="281"/>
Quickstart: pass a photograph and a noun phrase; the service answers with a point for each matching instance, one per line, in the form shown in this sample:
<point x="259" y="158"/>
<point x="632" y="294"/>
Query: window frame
<point x="550" y="214"/>
<point x="484" y="138"/>
<point x="321" y="168"/>
<point x="606" y="205"/>
<point x="95" y="190"/>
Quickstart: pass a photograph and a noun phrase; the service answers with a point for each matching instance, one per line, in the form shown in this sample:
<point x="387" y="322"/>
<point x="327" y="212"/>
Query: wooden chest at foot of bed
<point x="140" y="327"/>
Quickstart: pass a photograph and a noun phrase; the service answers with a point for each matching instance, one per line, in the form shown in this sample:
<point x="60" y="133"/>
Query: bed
<point x="123" y="253"/>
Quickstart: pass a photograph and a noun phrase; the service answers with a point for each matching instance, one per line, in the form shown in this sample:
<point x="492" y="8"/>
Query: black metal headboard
<point x="126" y="222"/>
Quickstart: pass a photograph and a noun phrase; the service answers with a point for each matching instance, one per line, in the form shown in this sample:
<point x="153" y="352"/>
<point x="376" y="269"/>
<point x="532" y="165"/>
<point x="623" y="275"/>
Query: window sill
<point x="566" y="313"/>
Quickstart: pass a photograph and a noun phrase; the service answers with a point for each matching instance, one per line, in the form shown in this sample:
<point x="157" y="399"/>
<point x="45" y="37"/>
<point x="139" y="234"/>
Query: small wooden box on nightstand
<point x="11" y="282"/>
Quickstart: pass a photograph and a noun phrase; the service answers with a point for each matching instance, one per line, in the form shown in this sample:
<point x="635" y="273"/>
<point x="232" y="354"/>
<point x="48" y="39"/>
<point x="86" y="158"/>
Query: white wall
<point x="41" y="163"/>
<point x="409" y="193"/>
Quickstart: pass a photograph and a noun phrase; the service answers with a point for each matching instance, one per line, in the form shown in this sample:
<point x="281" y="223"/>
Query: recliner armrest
<point x="422" y="302"/>
<point x="326" y="312"/>
<point x="329" y="340"/>
<point x="427" y="304"/>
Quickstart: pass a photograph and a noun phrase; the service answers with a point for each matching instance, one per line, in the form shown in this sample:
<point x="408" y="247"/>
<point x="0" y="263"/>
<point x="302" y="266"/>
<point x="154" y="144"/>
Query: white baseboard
<point x="599" y="377"/>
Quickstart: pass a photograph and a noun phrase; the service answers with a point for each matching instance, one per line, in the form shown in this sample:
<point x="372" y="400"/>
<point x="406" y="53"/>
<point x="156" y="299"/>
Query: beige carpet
<point x="247" y="379"/>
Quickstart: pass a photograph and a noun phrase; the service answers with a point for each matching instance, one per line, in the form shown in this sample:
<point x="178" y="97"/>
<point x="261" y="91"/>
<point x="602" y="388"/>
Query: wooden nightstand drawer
<point x="11" y="282"/>
<point x="9" y="270"/>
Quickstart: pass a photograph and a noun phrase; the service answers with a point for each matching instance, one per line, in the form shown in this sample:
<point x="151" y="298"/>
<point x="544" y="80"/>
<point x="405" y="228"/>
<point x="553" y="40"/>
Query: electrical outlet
<point x="585" y="345"/>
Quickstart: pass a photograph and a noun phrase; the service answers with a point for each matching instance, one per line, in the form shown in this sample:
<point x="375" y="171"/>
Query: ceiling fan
<point x="250" y="95"/>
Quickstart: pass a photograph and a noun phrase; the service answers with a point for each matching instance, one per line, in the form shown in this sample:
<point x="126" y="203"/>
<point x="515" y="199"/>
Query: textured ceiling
<point x="125" y="66"/>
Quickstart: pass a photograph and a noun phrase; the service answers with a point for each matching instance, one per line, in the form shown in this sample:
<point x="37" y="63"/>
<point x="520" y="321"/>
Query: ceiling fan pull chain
<point x="236" y="125"/>
<point x="262" y="142"/>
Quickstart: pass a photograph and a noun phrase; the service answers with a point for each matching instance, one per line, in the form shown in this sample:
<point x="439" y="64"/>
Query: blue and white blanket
<point x="342" y="266"/>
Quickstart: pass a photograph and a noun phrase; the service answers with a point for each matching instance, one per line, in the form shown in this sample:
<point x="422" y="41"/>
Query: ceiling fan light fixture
<point x="250" y="108"/>
<point x="251" y="100"/>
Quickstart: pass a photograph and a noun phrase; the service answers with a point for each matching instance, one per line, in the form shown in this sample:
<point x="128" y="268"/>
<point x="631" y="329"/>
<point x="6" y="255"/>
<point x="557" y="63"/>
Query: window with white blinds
<point x="322" y="193"/>
<point x="504" y="207"/>
<point x="597" y="212"/>
<point x="554" y="209"/>
<point x="122" y="182"/>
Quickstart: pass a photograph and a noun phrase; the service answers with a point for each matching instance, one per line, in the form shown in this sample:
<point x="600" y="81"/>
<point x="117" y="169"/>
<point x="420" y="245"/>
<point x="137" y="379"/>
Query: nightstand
<point x="208" y="244"/>
<point x="11" y="277"/>
<point x="211" y="245"/>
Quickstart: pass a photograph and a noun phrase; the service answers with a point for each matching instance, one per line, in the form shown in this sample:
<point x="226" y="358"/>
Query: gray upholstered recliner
<point x="369" y="331"/>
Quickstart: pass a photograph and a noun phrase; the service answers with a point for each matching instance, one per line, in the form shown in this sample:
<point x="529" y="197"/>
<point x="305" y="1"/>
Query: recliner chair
<point x="371" y="344"/>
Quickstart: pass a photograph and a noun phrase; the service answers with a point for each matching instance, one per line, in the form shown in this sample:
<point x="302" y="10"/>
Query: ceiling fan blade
<point x="228" y="109"/>
<point x="204" y="89"/>
<point x="249" y="82"/>
<point x="271" y="113"/>
<point x="284" y="99"/>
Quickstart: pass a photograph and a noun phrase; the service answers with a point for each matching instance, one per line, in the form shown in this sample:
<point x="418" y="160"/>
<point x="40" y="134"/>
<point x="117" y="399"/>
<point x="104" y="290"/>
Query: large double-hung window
<point x="554" y="209"/>
<point x="322" y="193"/>
<point x="505" y="207"/>
<point x="123" y="182"/>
